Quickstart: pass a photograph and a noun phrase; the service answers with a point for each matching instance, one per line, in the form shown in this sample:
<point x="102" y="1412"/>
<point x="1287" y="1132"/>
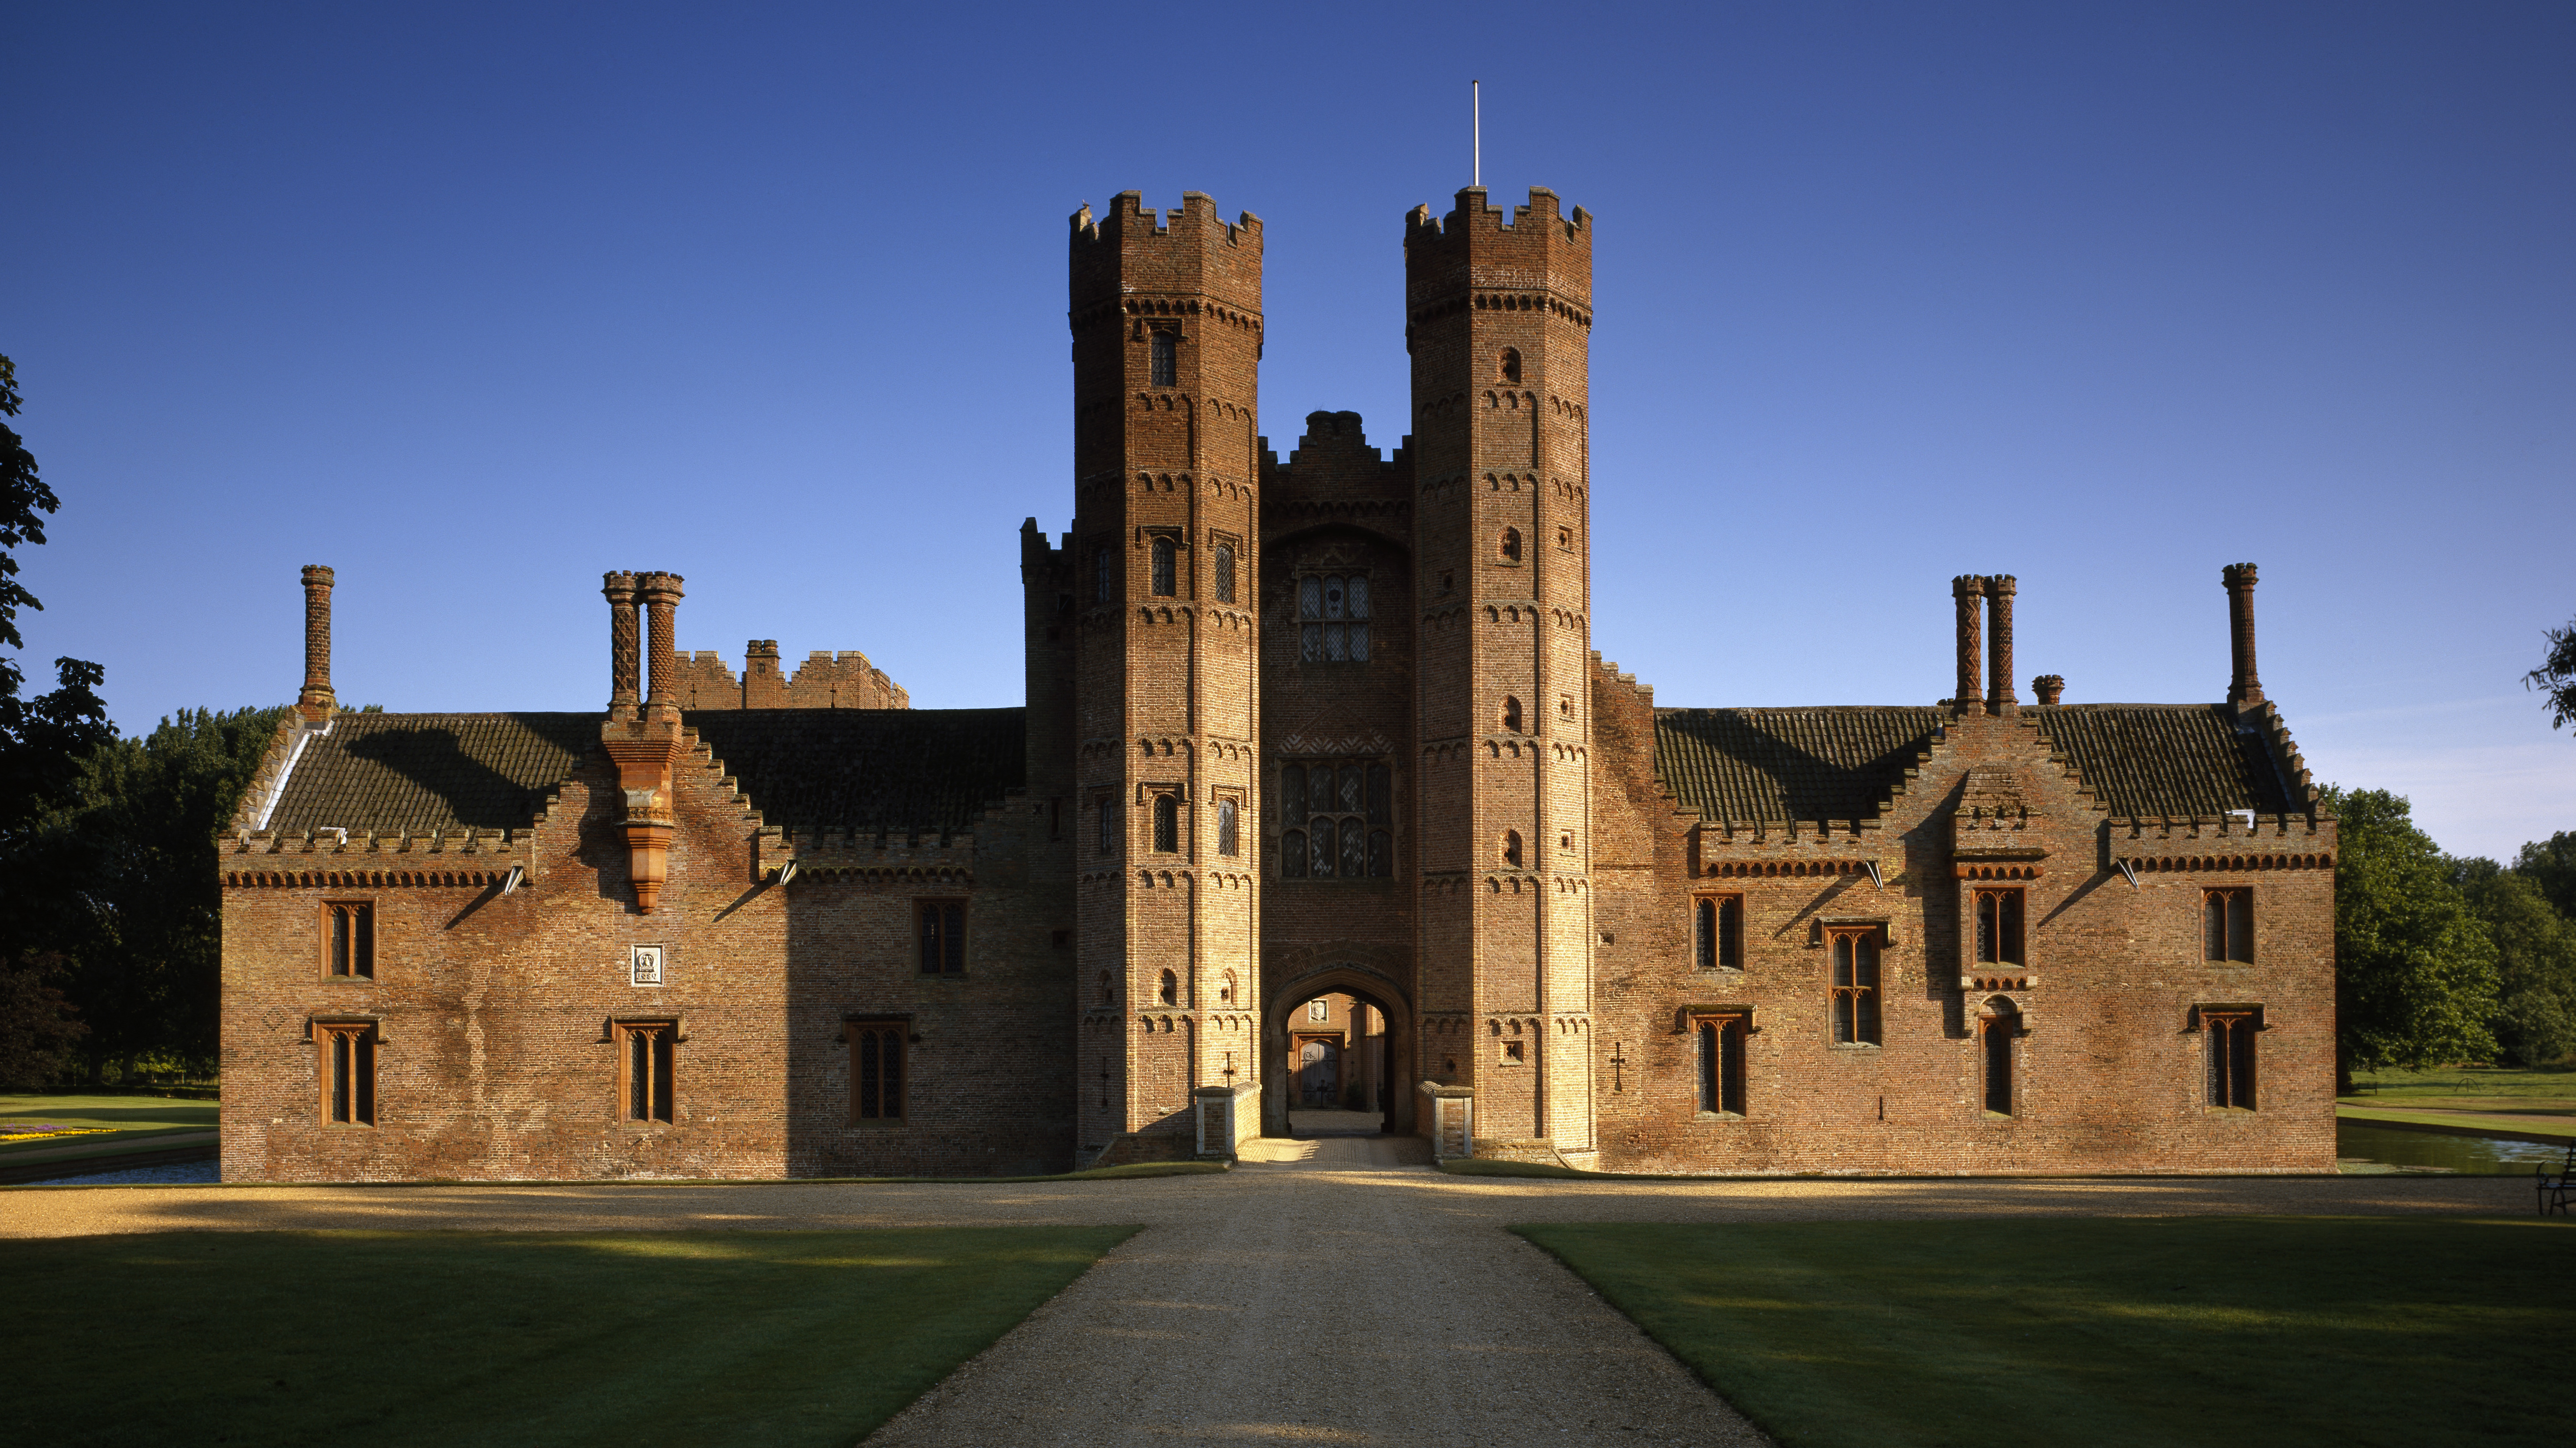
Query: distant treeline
<point x="111" y="948"/>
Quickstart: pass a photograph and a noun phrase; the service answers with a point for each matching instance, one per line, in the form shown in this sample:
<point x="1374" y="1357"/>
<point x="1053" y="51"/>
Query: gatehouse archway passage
<point x="1337" y="1049"/>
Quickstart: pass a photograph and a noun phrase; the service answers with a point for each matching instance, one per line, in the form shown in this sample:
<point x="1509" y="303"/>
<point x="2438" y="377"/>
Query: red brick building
<point x="1327" y="727"/>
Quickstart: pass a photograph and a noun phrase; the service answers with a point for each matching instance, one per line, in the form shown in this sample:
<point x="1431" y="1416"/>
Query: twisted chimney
<point x="623" y="682"/>
<point x="317" y="703"/>
<point x="2000" y="698"/>
<point x="2243" y="688"/>
<point x="1969" y="590"/>
<point x="661" y="595"/>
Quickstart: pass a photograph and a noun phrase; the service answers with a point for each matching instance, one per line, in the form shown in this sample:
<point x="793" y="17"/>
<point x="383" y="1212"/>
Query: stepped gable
<point x="1843" y="762"/>
<point x="385" y="774"/>
<point x="2166" y="759"/>
<point x="869" y="769"/>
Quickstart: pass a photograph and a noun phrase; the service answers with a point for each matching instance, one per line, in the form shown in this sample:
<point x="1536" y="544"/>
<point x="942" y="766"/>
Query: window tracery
<point x="1332" y="618"/>
<point x="1337" y="820"/>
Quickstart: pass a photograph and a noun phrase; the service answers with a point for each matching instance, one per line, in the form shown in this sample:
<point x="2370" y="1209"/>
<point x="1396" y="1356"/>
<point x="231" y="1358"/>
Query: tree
<point x="2535" y="1019"/>
<point x="40" y="738"/>
<point x="37" y="1026"/>
<point x="2556" y="676"/>
<point x="134" y="861"/>
<point x="2551" y="865"/>
<point x="2415" y="969"/>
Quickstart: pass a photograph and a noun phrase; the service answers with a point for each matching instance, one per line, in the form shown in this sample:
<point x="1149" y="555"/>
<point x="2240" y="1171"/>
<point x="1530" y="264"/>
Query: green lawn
<point x="507" y="1337"/>
<point x="127" y="1118"/>
<point x="2109" y="1331"/>
<point x="2549" y="1090"/>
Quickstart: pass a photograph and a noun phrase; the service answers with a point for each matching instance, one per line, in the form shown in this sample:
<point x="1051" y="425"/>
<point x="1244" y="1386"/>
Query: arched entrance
<point x="1337" y="1042"/>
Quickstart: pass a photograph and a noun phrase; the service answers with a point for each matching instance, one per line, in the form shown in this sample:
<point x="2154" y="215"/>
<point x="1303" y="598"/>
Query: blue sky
<point x="474" y="302"/>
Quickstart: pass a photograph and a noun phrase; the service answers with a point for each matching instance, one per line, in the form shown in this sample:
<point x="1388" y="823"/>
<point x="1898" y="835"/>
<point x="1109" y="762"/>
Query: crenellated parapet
<point x="2221" y="842"/>
<point x="342" y="859"/>
<point x="1133" y="261"/>
<point x="1480" y="258"/>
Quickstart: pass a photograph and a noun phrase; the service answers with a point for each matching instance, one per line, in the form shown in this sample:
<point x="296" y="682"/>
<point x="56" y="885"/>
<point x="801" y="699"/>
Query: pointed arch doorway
<point x="1352" y="1058"/>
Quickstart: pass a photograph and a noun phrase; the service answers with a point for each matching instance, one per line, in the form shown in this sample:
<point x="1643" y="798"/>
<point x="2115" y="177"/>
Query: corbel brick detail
<point x="644" y="753"/>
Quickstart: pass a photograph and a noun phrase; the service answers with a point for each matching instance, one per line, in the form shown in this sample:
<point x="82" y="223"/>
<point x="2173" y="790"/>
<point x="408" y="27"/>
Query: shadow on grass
<point x="2039" y="1331"/>
<point x="508" y="1337"/>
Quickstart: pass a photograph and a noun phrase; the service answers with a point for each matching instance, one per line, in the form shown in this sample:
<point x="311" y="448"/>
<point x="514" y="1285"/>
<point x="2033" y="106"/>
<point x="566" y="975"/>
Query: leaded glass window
<point x="1332" y="618"/>
<point x="1855" y="988"/>
<point x="1337" y="820"/>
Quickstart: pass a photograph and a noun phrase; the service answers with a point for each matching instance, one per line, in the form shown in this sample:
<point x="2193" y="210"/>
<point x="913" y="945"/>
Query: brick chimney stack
<point x="624" y="684"/>
<point x="317" y="703"/>
<point x="2000" y="698"/>
<point x="1970" y="591"/>
<point x="2243" y="688"/>
<point x="2049" y="687"/>
<point x="661" y="594"/>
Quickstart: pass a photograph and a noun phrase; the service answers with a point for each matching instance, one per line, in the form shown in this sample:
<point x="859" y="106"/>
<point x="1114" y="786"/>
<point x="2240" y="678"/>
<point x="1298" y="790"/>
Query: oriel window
<point x="1999" y="927"/>
<point x="349" y="939"/>
<point x="348" y="1073"/>
<point x="1855" y="987"/>
<point x="942" y="929"/>
<point x="1332" y="618"/>
<point x="1717" y="932"/>
<point x="2227" y="924"/>
<point x="877" y="1069"/>
<point x="1167" y="359"/>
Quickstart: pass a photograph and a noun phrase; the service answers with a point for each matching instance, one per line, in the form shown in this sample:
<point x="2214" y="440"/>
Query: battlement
<point x="1132" y="248"/>
<point x="346" y="859"/>
<point x="1333" y="434"/>
<point x="826" y="680"/>
<point x="1478" y="248"/>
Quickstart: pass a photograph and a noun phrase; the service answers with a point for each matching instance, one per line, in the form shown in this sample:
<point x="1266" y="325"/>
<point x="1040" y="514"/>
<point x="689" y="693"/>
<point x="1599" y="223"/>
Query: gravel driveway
<point x="1336" y="1296"/>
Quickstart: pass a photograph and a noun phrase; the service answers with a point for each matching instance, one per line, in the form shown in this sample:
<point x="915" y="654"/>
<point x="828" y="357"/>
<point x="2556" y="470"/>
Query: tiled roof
<point x="1842" y="762"/>
<point x="1781" y="764"/>
<point x="2166" y="759"/>
<point x="390" y="773"/>
<point x="865" y="769"/>
<point x="869" y="769"/>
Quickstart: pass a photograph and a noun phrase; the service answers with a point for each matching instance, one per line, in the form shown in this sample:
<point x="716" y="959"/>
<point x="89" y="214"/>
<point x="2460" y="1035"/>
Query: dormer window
<point x="1167" y="359"/>
<point x="1332" y="618"/>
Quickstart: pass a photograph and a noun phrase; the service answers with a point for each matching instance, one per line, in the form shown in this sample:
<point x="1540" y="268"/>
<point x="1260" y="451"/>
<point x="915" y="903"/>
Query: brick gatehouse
<point x="1327" y="726"/>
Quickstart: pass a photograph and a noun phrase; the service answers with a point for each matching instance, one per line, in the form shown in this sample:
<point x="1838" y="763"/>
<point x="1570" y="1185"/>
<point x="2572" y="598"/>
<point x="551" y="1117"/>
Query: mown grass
<point x="2035" y="1331"/>
<point x="507" y="1337"/>
<point x="126" y="1118"/>
<point x="2536" y="1090"/>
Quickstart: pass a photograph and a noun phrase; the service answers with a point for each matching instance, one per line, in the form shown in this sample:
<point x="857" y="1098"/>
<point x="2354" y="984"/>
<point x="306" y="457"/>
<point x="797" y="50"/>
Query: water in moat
<point x="2371" y="1142"/>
